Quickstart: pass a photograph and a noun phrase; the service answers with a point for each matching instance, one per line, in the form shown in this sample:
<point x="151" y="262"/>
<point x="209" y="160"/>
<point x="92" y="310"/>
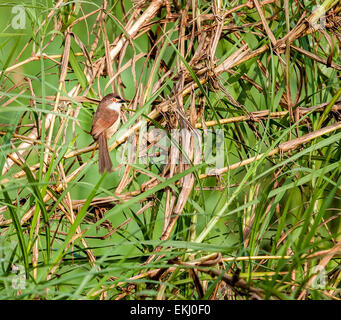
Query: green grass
<point x="259" y="228"/>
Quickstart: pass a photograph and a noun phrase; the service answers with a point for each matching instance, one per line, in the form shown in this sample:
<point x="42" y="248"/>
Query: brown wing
<point x="100" y="123"/>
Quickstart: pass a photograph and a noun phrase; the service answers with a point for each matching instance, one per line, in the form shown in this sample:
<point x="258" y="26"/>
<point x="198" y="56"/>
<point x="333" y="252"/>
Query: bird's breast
<point x="111" y="130"/>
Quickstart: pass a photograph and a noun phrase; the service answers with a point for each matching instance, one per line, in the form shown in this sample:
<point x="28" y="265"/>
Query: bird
<point x="105" y="123"/>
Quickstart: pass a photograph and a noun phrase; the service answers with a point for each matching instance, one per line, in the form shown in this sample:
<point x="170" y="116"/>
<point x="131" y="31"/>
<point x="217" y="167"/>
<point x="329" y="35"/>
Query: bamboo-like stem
<point x="283" y="147"/>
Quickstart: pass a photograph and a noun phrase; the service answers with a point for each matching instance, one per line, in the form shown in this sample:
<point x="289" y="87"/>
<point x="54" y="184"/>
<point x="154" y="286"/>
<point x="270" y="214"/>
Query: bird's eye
<point x="114" y="99"/>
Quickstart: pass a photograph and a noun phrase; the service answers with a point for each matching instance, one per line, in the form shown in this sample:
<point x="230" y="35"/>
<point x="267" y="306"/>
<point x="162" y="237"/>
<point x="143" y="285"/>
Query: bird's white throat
<point x="115" y="106"/>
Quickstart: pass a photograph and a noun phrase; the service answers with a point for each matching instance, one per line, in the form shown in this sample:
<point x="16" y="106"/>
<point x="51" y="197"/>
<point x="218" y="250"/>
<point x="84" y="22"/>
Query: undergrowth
<point x="227" y="172"/>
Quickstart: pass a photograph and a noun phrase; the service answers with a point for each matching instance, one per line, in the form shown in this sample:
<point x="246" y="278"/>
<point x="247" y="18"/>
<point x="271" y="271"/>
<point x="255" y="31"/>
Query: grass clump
<point x="227" y="172"/>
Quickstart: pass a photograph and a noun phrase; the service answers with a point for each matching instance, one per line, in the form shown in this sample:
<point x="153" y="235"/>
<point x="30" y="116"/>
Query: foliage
<point x="250" y="213"/>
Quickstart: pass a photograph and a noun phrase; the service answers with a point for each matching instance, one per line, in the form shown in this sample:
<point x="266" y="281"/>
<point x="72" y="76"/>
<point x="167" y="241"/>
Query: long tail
<point x="104" y="161"/>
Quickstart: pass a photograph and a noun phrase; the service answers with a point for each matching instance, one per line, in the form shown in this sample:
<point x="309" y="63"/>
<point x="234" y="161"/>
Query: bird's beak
<point x="122" y="100"/>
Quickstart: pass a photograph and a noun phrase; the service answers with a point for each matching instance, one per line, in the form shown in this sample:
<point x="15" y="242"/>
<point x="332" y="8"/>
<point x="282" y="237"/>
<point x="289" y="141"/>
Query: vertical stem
<point x="287" y="60"/>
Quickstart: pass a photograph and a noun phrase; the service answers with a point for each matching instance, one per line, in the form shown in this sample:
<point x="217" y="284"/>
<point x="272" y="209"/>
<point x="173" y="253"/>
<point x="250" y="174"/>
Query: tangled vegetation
<point x="227" y="172"/>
